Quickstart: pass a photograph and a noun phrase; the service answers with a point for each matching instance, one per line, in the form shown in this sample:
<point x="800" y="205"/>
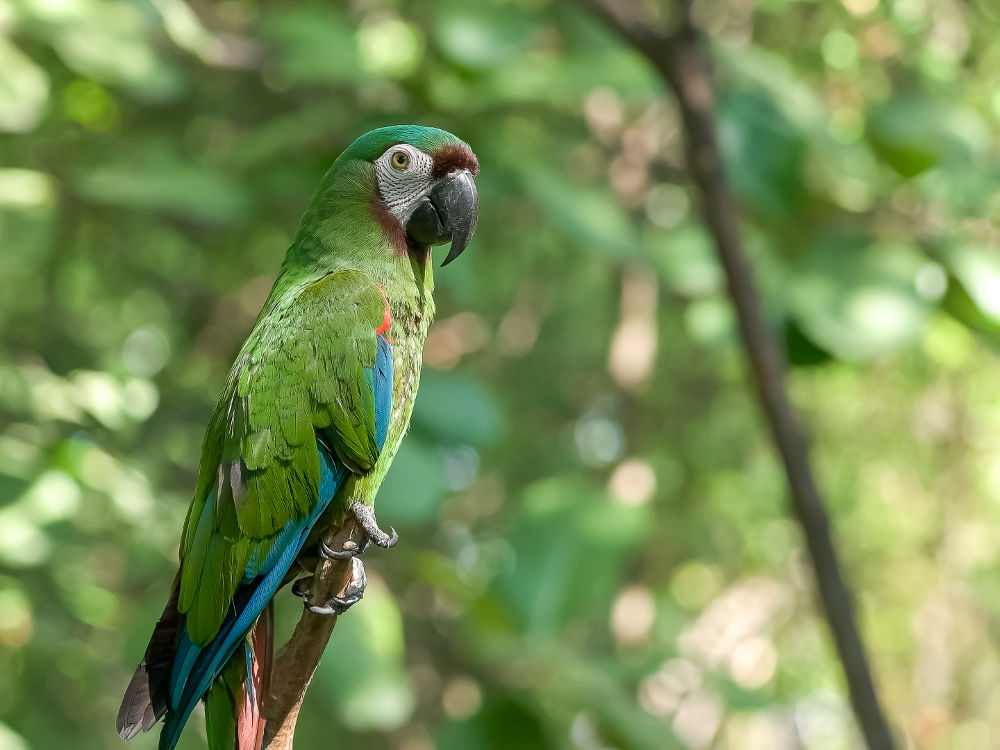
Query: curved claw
<point x="387" y="541"/>
<point x="336" y="606"/>
<point x="350" y="549"/>
<point x="366" y="517"/>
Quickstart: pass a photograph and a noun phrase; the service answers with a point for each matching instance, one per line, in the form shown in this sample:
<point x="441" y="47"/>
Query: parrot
<point x="312" y="413"/>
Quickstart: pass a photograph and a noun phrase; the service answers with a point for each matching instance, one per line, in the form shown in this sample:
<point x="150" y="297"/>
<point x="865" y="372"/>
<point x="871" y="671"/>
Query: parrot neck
<point x="340" y="232"/>
<point x="403" y="278"/>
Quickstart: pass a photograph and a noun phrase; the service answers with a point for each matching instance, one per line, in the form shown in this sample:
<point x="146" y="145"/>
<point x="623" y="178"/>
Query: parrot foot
<point x="366" y="517"/>
<point x="350" y="595"/>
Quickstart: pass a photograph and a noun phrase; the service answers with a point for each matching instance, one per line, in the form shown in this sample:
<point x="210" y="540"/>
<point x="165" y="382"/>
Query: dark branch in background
<point x="680" y="60"/>
<point x="297" y="660"/>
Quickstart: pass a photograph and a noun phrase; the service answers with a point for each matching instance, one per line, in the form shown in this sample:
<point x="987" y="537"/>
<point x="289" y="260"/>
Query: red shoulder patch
<point x="386" y="316"/>
<point x="386" y="323"/>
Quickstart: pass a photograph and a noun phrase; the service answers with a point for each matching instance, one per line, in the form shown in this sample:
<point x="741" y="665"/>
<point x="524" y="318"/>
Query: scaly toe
<point x="366" y="517"/>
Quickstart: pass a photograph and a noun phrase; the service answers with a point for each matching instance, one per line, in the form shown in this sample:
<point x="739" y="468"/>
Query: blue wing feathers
<point x="383" y="390"/>
<point x="257" y="566"/>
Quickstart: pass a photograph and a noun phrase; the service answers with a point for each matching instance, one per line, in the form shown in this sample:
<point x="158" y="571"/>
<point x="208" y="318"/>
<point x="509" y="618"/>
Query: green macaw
<point x="312" y="414"/>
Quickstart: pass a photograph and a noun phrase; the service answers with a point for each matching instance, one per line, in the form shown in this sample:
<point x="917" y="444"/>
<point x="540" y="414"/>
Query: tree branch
<point x="296" y="662"/>
<point x="679" y="59"/>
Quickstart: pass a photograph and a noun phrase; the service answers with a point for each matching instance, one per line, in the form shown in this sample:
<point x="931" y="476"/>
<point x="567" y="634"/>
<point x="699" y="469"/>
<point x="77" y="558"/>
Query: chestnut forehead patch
<point x="452" y="157"/>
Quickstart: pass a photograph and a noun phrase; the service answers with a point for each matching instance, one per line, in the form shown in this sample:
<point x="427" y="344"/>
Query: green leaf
<point x="110" y="42"/>
<point x="315" y="44"/>
<point x="482" y="35"/>
<point x="764" y="153"/>
<point x="167" y="185"/>
<point x="366" y="680"/>
<point x="686" y="258"/>
<point x="977" y="268"/>
<point x="455" y="408"/>
<point x="857" y="301"/>
<point x="570" y="545"/>
<point x="502" y="723"/>
<point x="24" y="90"/>
<point x="914" y="134"/>
<point x="415" y="485"/>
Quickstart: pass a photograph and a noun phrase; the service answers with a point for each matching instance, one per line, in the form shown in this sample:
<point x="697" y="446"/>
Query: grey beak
<point x="449" y="212"/>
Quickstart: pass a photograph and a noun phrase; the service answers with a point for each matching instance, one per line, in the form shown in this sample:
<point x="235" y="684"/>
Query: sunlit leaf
<point x="366" y="681"/>
<point x="24" y="90"/>
<point x="858" y="301"/>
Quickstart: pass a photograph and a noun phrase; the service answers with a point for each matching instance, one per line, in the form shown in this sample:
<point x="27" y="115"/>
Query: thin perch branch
<point x="296" y="662"/>
<point x="680" y="60"/>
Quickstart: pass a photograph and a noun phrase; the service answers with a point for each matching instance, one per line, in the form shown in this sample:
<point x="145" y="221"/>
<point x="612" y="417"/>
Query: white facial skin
<point x="403" y="177"/>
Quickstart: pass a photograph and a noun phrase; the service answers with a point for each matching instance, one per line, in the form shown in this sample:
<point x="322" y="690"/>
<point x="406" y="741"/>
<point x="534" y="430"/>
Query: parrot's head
<point x="424" y="191"/>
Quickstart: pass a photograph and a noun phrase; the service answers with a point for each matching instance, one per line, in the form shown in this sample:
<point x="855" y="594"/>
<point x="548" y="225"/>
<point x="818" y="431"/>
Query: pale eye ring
<point x="400" y="160"/>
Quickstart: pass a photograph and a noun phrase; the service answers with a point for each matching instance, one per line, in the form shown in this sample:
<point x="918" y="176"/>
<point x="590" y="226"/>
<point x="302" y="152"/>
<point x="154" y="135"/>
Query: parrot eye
<point x="400" y="160"/>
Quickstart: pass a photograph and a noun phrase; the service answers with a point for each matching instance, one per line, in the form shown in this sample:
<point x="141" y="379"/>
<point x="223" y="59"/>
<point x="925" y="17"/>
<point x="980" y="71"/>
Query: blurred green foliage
<point x="596" y="551"/>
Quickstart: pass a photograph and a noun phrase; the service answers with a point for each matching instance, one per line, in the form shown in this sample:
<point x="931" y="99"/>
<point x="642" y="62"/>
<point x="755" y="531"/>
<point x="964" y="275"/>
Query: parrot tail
<point x="234" y="704"/>
<point x="147" y="696"/>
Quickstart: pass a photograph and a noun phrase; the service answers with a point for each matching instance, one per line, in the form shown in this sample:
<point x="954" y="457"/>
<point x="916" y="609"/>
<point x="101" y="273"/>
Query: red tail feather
<point x="250" y="719"/>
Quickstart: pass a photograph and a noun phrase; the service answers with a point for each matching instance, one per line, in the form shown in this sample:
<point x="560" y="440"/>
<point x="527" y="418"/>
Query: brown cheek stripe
<point x="453" y="157"/>
<point x="393" y="232"/>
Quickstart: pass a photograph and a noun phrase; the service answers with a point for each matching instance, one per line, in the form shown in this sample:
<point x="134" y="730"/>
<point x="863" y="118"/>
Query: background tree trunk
<point x="680" y="60"/>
